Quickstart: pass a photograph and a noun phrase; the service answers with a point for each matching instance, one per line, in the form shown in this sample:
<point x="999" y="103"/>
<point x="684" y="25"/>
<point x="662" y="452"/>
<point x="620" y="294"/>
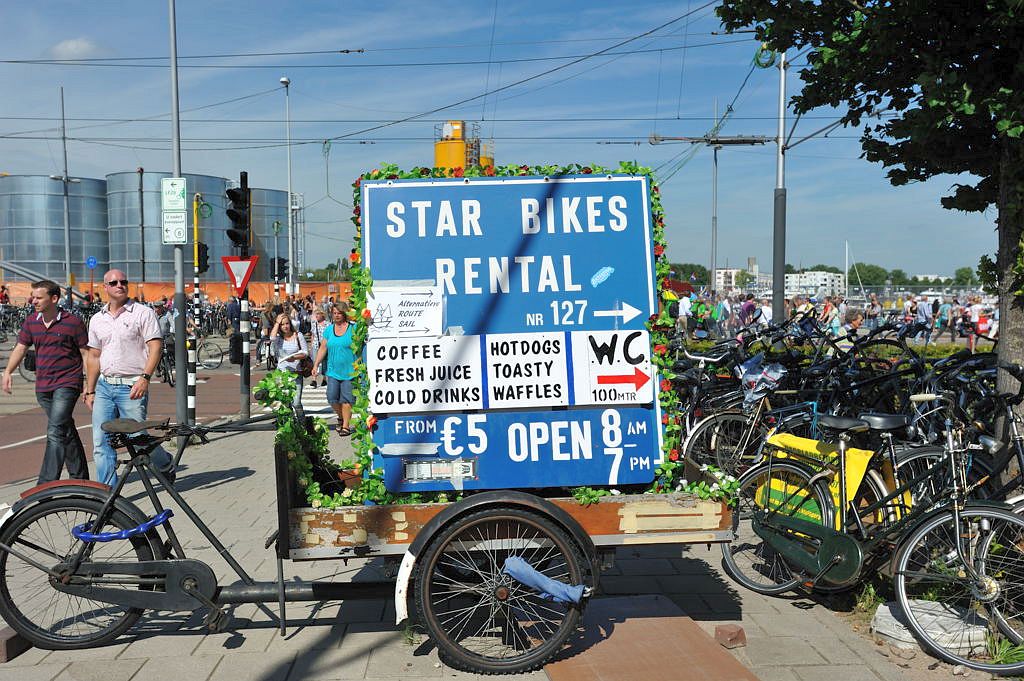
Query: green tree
<point x="948" y="77"/>
<point x="790" y="269"/>
<point x="744" y="279"/>
<point x="684" y="270"/>
<point x="870" y="275"/>
<point x="823" y="268"/>
<point x="899" y="277"/>
<point x="964" y="276"/>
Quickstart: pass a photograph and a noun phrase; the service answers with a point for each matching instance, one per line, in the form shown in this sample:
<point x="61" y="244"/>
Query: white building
<point x="725" y="278"/>
<point x="929" y="277"/>
<point x="816" y="283"/>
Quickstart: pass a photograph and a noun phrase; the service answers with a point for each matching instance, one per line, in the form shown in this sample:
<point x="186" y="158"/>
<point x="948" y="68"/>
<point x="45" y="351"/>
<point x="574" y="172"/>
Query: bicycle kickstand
<point x="835" y="560"/>
<point x="216" y="619"/>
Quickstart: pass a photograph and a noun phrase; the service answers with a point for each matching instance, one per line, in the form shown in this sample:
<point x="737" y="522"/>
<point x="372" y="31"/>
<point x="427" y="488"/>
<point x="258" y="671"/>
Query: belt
<point x="119" y="380"/>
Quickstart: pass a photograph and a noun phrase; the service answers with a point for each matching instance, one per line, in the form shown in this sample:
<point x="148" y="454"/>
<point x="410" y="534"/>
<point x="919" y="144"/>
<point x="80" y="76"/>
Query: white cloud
<point x="75" y="48"/>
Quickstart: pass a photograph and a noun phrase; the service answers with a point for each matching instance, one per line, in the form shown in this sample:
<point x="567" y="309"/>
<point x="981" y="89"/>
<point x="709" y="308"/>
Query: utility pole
<point x="716" y="142"/>
<point x="67" y="204"/>
<point x="779" y="231"/>
<point x="290" y="284"/>
<point x="180" y="358"/>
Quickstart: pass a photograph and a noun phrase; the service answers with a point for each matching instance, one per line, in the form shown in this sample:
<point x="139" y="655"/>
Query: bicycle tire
<point x="29" y="376"/>
<point x="463" y="564"/>
<point x="209" y="355"/>
<point x="698" y="447"/>
<point x="748" y="559"/>
<point x="167" y="371"/>
<point x="23" y="587"/>
<point x="911" y="462"/>
<point x="931" y="578"/>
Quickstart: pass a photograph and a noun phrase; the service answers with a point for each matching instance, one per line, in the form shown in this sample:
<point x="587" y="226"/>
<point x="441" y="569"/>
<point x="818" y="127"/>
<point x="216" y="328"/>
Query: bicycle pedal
<point x="217" y="621"/>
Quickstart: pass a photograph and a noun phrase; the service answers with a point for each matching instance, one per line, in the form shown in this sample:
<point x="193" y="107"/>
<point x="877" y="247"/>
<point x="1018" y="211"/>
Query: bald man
<point x="124" y="350"/>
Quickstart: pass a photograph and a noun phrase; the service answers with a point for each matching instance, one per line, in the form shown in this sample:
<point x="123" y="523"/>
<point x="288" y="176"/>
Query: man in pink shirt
<point x="124" y="350"/>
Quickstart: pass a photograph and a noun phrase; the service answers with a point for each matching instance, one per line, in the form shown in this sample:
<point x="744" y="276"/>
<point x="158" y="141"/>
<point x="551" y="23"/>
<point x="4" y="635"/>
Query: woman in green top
<point x="336" y="347"/>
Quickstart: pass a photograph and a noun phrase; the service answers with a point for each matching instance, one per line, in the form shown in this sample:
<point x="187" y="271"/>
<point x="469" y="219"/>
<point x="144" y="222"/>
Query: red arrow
<point x="638" y="379"/>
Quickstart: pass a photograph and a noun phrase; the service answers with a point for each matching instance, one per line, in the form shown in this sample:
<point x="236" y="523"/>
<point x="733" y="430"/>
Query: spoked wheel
<point x="209" y="355"/>
<point x="481" y="619"/>
<point x="52" y="619"/>
<point x="725" y="440"/>
<point x="167" y="371"/>
<point x="780" y="488"/>
<point x="977" y="622"/>
<point x="28" y="375"/>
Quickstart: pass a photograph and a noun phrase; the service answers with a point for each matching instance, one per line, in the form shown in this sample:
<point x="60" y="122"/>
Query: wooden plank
<point x="389" y="529"/>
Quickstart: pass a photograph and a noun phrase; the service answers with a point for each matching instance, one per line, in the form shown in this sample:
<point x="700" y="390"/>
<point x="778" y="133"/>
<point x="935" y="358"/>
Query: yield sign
<point x="239" y="270"/>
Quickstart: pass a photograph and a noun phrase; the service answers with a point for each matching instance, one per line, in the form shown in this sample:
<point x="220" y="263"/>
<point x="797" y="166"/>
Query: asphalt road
<point x="23" y="425"/>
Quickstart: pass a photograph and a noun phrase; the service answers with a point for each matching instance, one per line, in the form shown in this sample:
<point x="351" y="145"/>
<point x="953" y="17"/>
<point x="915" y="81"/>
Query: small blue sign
<point x="91" y="262"/>
<point x="455" y="451"/>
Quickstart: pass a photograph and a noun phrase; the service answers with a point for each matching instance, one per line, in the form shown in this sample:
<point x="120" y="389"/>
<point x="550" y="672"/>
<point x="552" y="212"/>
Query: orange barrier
<point x="259" y="292"/>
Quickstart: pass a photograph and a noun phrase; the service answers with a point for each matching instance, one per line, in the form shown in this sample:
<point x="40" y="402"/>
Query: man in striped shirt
<point x="60" y="341"/>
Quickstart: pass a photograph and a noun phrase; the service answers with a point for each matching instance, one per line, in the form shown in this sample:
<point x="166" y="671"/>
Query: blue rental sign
<point x="91" y="262"/>
<point x="543" y="376"/>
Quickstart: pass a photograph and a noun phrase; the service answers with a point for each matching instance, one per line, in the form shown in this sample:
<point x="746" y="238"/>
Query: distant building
<point x="929" y="277"/>
<point x="725" y="278"/>
<point x="816" y="283"/>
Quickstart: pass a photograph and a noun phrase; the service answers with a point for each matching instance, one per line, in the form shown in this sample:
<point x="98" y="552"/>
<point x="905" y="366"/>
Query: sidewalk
<point x="230" y="483"/>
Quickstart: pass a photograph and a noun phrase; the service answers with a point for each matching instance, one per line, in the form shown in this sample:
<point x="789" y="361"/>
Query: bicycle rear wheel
<point x="52" y="619"/>
<point x="29" y="376"/>
<point x="782" y="488"/>
<point x="978" y="623"/>
<point x="209" y="355"/>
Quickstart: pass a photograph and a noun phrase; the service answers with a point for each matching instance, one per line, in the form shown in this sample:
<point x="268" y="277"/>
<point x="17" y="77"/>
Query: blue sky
<point x="570" y="115"/>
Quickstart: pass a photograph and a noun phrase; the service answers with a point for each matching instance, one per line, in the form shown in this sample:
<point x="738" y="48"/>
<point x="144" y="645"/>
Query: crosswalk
<point x="314" y="401"/>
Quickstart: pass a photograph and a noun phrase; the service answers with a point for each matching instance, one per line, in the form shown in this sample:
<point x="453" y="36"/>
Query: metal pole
<point x="142" y="228"/>
<point x="289" y="288"/>
<point x="277" y="276"/>
<point x="779" y="242"/>
<point x="714" y="220"/>
<point x="245" y="327"/>
<point x="180" y="358"/>
<point x="67" y="206"/>
<point x="193" y="339"/>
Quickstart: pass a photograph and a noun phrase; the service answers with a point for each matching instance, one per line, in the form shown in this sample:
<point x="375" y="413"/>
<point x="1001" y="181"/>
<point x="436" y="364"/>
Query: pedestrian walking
<point x="289" y="346"/>
<point x="124" y="350"/>
<point x="873" y="312"/>
<point x="60" y="341"/>
<point x="316" y="338"/>
<point x="337" y="351"/>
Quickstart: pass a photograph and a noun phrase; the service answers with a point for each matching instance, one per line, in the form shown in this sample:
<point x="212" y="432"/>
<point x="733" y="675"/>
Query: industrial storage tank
<point x="32" y="225"/>
<point x="133" y="210"/>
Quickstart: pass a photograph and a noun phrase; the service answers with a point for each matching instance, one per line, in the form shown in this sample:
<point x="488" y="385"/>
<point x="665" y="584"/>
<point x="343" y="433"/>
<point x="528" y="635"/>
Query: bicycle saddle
<point x="885" y="421"/>
<point x="129" y="426"/>
<point x="842" y="423"/>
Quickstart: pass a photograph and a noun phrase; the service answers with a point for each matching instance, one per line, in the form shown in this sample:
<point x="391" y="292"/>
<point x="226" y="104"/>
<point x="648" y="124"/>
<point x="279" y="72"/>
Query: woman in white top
<point x="289" y="346"/>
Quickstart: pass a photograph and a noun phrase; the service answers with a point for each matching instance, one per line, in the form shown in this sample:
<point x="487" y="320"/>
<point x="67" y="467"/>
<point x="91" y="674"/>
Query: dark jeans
<point x="63" y="445"/>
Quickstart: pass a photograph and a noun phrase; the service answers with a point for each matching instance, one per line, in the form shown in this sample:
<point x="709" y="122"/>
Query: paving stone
<point x="402" y="661"/>
<point x="269" y="666"/>
<point x="631" y="585"/>
<point x="337" y="663"/>
<point x="240" y="640"/>
<point x="309" y="637"/>
<point x="109" y="652"/>
<point x="836" y="651"/>
<point x="177" y="644"/>
<point x="846" y="673"/>
<point x="691" y="604"/>
<point x="777" y="674"/>
<point x="646" y="566"/>
<point x="100" y="670"/>
<point x="40" y="672"/>
<point x="190" y="667"/>
<point x="361" y="611"/>
<point x="29" y="657"/>
<point x="777" y="651"/>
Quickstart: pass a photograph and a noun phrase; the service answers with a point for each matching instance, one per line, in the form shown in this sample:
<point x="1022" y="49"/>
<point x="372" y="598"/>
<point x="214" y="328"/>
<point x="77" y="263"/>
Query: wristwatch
<point x="146" y="376"/>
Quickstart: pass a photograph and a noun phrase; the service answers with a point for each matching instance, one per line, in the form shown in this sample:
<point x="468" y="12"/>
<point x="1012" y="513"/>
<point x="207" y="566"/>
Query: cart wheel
<point x="483" y="620"/>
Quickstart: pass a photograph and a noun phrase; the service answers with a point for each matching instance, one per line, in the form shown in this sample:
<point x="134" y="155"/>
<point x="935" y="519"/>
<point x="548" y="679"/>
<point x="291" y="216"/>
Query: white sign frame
<point x="172" y="194"/>
<point x="174" y="227"/>
<point x="420" y="308"/>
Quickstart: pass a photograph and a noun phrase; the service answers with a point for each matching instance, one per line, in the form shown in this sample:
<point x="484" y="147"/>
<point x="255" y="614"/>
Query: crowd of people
<point x="723" y="315"/>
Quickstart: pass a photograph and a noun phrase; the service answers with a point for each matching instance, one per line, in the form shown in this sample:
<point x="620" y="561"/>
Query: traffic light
<point x="235" y="348"/>
<point x="281" y="269"/>
<point x="204" y="257"/>
<point x="238" y="212"/>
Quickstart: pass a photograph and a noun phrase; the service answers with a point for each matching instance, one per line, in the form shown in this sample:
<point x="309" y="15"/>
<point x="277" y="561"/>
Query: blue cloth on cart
<point x="549" y="589"/>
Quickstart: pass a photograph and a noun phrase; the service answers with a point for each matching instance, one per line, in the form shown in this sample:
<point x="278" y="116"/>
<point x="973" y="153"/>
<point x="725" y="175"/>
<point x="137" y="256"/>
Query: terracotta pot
<point x="350" y="477"/>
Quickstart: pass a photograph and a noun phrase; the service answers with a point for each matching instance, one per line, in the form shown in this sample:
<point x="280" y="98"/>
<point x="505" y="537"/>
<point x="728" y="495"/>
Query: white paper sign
<point x="174" y="227"/>
<point x="612" y="367"/>
<point x="405" y="312"/>
<point x="409" y="375"/>
<point x="172" y="193"/>
<point x="526" y="370"/>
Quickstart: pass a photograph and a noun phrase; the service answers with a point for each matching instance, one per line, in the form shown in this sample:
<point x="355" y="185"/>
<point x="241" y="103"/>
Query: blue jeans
<point x="63" y="444"/>
<point x="112" y="402"/>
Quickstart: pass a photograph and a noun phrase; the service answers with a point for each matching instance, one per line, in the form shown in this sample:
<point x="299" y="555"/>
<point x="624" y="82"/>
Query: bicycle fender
<point x="476" y="502"/>
<point x="75" y="489"/>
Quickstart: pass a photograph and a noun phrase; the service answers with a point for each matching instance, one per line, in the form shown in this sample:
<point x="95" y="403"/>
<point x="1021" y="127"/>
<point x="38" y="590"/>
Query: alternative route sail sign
<point x="539" y="373"/>
<point x="239" y="270"/>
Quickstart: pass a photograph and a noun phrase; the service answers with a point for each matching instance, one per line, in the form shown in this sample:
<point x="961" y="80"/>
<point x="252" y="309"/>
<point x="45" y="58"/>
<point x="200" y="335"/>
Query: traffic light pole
<point x="245" y="326"/>
<point x="193" y="338"/>
<point x="182" y="410"/>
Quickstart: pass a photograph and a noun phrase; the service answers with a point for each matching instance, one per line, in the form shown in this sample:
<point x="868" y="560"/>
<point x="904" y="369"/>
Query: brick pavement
<point x="230" y="483"/>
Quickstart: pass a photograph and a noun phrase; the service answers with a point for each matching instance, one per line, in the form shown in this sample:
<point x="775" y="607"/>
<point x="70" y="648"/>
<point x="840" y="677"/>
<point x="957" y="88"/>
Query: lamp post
<point x="291" y="220"/>
<point x="64" y="180"/>
<point x="277" y="276"/>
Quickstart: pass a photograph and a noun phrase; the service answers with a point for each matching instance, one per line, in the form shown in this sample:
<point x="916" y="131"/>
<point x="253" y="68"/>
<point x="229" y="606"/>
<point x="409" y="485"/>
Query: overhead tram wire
<point x="380" y="65"/>
<point x="521" y="81"/>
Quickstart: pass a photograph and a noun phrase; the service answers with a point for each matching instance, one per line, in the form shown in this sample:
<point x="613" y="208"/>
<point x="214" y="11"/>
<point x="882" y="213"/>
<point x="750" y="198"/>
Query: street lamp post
<point x="277" y="276"/>
<point x="64" y="179"/>
<point x="291" y="220"/>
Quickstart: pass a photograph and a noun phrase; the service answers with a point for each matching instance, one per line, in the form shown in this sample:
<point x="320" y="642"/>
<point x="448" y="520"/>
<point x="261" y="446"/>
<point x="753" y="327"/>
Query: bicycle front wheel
<point x="974" y="621"/>
<point x="29" y="376"/>
<point x="781" y="488"/>
<point x="209" y="355"/>
<point x="52" y="619"/>
<point x="481" y="619"/>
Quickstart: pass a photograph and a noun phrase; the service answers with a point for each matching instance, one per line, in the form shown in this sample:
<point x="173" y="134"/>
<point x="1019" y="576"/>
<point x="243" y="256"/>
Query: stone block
<point x="730" y="635"/>
<point x="11" y="644"/>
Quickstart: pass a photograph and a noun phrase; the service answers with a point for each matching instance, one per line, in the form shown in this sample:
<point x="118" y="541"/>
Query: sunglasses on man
<point x="116" y="282"/>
